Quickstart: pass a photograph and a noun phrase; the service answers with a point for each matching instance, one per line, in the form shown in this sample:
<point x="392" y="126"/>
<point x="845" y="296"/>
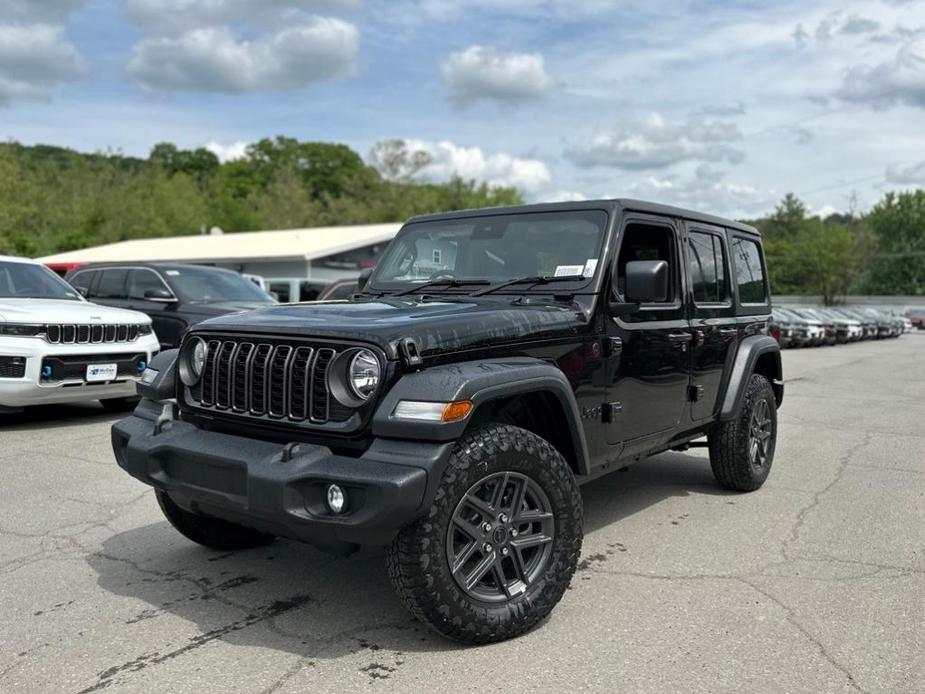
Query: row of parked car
<point x="811" y="326"/>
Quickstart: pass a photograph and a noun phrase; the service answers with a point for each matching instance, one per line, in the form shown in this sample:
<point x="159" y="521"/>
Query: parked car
<point x="816" y="317"/>
<point x="804" y="332"/>
<point x="868" y="324"/>
<point x="174" y="296"/>
<point x="451" y="414"/>
<point x="56" y="347"/>
<point x="917" y="317"/>
<point x="781" y="326"/>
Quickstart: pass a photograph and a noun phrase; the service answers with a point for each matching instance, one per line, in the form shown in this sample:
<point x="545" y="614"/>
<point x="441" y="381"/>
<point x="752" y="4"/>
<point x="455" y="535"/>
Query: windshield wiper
<point x="443" y="282"/>
<point x="537" y="279"/>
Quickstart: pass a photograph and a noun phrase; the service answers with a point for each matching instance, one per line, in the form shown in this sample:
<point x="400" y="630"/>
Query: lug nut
<point x="504" y="551"/>
<point x="503" y="518"/>
<point x="513" y="532"/>
<point x="486" y="548"/>
<point x="486" y="527"/>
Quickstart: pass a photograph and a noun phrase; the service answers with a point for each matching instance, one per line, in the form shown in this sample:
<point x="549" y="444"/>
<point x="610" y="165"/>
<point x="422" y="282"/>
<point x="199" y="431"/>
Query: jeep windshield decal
<point x="497" y="251"/>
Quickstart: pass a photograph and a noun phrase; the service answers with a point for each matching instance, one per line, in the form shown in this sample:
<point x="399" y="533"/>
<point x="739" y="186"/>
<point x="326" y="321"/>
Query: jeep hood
<point x="450" y="324"/>
<point x="64" y="311"/>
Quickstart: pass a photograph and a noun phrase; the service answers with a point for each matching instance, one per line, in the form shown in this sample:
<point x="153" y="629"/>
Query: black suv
<point x="174" y="296"/>
<point x="494" y="361"/>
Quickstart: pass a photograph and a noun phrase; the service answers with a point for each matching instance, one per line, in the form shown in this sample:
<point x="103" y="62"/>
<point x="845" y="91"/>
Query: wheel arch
<point x="757" y="354"/>
<point x="537" y="391"/>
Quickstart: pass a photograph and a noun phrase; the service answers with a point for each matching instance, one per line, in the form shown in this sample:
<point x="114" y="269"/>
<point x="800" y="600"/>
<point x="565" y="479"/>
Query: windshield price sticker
<point x="568" y="270"/>
<point x="590" y="267"/>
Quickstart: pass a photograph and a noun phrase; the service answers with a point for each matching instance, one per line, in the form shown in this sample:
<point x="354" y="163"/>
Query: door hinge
<point x="612" y="346"/>
<point x="694" y="393"/>
<point x="610" y="410"/>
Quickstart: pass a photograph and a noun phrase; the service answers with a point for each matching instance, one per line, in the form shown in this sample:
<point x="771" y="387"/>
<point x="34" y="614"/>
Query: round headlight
<point x="192" y="361"/>
<point x="363" y="374"/>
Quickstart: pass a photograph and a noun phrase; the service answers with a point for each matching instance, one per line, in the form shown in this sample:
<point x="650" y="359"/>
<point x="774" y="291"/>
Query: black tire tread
<point x="729" y="441"/>
<point x="409" y="563"/>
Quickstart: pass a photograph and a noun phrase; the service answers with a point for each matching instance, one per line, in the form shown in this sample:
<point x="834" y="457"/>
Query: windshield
<point x="204" y="285"/>
<point x="495" y="248"/>
<point x="28" y="281"/>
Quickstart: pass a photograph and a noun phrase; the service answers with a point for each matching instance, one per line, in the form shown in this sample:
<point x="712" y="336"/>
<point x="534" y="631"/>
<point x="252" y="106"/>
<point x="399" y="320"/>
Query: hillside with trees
<point x="54" y="199"/>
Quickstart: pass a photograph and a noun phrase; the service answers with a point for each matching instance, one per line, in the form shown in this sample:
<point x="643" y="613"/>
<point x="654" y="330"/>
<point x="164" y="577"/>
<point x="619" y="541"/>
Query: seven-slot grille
<point x="68" y="333"/>
<point x="268" y="379"/>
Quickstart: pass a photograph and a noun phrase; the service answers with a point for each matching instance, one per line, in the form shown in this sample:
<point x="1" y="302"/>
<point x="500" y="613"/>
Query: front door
<point x="649" y="372"/>
<point x="713" y="321"/>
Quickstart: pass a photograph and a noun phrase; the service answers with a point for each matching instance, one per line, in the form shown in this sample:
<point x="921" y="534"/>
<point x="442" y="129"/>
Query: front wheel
<point x="742" y="450"/>
<point x="500" y="542"/>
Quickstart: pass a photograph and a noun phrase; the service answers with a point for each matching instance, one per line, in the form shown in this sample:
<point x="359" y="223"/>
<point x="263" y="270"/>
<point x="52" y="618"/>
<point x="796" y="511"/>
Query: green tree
<point x="898" y="224"/>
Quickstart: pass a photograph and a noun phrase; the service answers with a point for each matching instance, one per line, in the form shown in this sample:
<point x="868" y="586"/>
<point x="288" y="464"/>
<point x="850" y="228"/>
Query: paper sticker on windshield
<point x="568" y="270"/>
<point x="590" y="267"/>
<point x="172" y="273"/>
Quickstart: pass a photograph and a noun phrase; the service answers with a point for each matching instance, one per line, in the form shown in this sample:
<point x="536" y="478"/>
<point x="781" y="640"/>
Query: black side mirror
<point x="158" y="294"/>
<point x="646" y="281"/>
<point x="363" y="279"/>
<point x="83" y="291"/>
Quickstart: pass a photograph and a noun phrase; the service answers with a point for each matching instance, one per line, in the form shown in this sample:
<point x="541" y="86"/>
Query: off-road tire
<point x="730" y="442"/>
<point x="418" y="562"/>
<point x="210" y="532"/>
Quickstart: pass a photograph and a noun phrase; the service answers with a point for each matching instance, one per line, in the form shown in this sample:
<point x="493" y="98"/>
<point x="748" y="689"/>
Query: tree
<point x="898" y="223"/>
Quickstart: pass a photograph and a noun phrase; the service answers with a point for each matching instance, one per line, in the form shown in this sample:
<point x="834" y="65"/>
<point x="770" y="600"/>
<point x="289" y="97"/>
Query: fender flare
<point x="750" y="349"/>
<point x="481" y="382"/>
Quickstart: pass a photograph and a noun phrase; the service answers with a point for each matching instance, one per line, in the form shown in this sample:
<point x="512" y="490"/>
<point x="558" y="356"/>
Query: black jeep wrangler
<point x="493" y="362"/>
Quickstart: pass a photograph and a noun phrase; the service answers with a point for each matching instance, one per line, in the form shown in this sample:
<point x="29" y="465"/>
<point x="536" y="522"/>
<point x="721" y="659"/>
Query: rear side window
<point x="112" y="284"/>
<point x="753" y="288"/>
<point x="707" y="267"/>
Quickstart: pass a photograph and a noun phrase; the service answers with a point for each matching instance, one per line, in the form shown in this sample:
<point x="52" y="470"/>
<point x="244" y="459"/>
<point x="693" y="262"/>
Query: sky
<point x="723" y="106"/>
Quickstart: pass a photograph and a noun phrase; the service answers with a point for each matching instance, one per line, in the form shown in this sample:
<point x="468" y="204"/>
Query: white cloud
<point x="448" y="159"/>
<point x="229" y="152"/>
<point x="564" y="196"/>
<point x="482" y="72"/>
<point x="897" y="81"/>
<point x="33" y="59"/>
<point x="213" y="60"/>
<point x="906" y="174"/>
<point x="654" y="143"/>
<point x="32" y="11"/>
<point x="177" y="16"/>
<point x="705" y="189"/>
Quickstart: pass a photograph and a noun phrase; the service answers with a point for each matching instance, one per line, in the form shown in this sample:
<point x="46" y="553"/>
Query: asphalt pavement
<point x="815" y="583"/>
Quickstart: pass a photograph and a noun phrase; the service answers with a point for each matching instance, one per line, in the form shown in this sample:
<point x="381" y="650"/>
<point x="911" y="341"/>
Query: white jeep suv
<point x="57" y="347"/>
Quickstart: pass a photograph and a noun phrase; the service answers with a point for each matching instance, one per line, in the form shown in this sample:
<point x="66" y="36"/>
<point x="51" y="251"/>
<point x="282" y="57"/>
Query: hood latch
<point x="410" y="354"/>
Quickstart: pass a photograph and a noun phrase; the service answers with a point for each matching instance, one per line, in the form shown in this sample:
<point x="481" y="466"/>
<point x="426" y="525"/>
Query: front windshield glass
<point x="214" y="285"/>
<point x="495" y="248"/>
<point x="28" y="281"/>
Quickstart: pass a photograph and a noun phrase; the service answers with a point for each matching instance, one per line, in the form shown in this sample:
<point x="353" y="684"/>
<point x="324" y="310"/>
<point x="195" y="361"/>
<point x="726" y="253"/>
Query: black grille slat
<point x="259" y="379"/>
<point x="279" y="380"/>
<point x="319" y="385"/>
<point x="110" y="333"/>
<point x="96" y="333"/>
<point x="207" y="380"/>
<point x="53" y="333"/>
<point x="122" y="333"/>
<point x="68" y="333"/>
<point x="240" y="375"/>
<point x="83" y="333"/>
<point x="223" y="374"/>
<point x="299" y="383"/>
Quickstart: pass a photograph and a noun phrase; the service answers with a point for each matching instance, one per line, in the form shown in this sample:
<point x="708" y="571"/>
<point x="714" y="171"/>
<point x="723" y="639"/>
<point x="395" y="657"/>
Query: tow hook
<point x="166" y="418"/>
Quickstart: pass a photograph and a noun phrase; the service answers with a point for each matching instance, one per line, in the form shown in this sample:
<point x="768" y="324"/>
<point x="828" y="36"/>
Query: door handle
<point x="728" y="332"/>
<point x="678" y="339"/>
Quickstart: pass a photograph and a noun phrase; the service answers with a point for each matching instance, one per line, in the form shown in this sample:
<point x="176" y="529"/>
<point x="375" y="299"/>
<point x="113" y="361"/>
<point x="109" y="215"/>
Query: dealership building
<point x="294" y="263"/>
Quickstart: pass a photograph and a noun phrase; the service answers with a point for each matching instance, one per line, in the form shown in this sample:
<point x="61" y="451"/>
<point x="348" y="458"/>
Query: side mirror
<point x="646" y="281"/>
<point x="83" y="291"/>
<point x="161" y="295"/>
<point x="363" y="279"/>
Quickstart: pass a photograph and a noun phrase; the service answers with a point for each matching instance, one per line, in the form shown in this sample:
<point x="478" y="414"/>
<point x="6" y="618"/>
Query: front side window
<point x="82" y="281"/>
<point x="647" y="242"/>
<point x="30" y="281"/>
<point x="749" y="271"/>
<point x="140" y="281"/>
<point x="496" y="248"/>
<point x="707" y="267"/>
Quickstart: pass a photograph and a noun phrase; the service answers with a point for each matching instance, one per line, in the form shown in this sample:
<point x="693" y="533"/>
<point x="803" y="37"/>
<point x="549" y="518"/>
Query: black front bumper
<point x="261" y="485"/>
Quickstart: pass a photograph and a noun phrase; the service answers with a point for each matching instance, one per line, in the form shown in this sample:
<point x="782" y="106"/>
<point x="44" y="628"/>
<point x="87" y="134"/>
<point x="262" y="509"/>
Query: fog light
<point x="46" y="372"/>
<point x="337" y="499"/>
<point x="142" y="365"/>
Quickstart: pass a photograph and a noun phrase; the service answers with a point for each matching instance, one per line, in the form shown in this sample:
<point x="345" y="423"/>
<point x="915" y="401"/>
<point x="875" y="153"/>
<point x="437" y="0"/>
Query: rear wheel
<point x="499" y="544"/>
<point x="742" y="450"/>
<point x="210" y="532"/>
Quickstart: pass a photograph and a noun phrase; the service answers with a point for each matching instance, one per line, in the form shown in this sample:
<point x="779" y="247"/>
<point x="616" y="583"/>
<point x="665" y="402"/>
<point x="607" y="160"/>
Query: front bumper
<point x="69" y="362"/>
<point x="280" y="490"/>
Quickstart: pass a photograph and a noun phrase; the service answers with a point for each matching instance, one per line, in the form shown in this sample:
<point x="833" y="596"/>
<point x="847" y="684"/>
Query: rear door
<point x="713" y="320"/>
<point x="650" y="373"/>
